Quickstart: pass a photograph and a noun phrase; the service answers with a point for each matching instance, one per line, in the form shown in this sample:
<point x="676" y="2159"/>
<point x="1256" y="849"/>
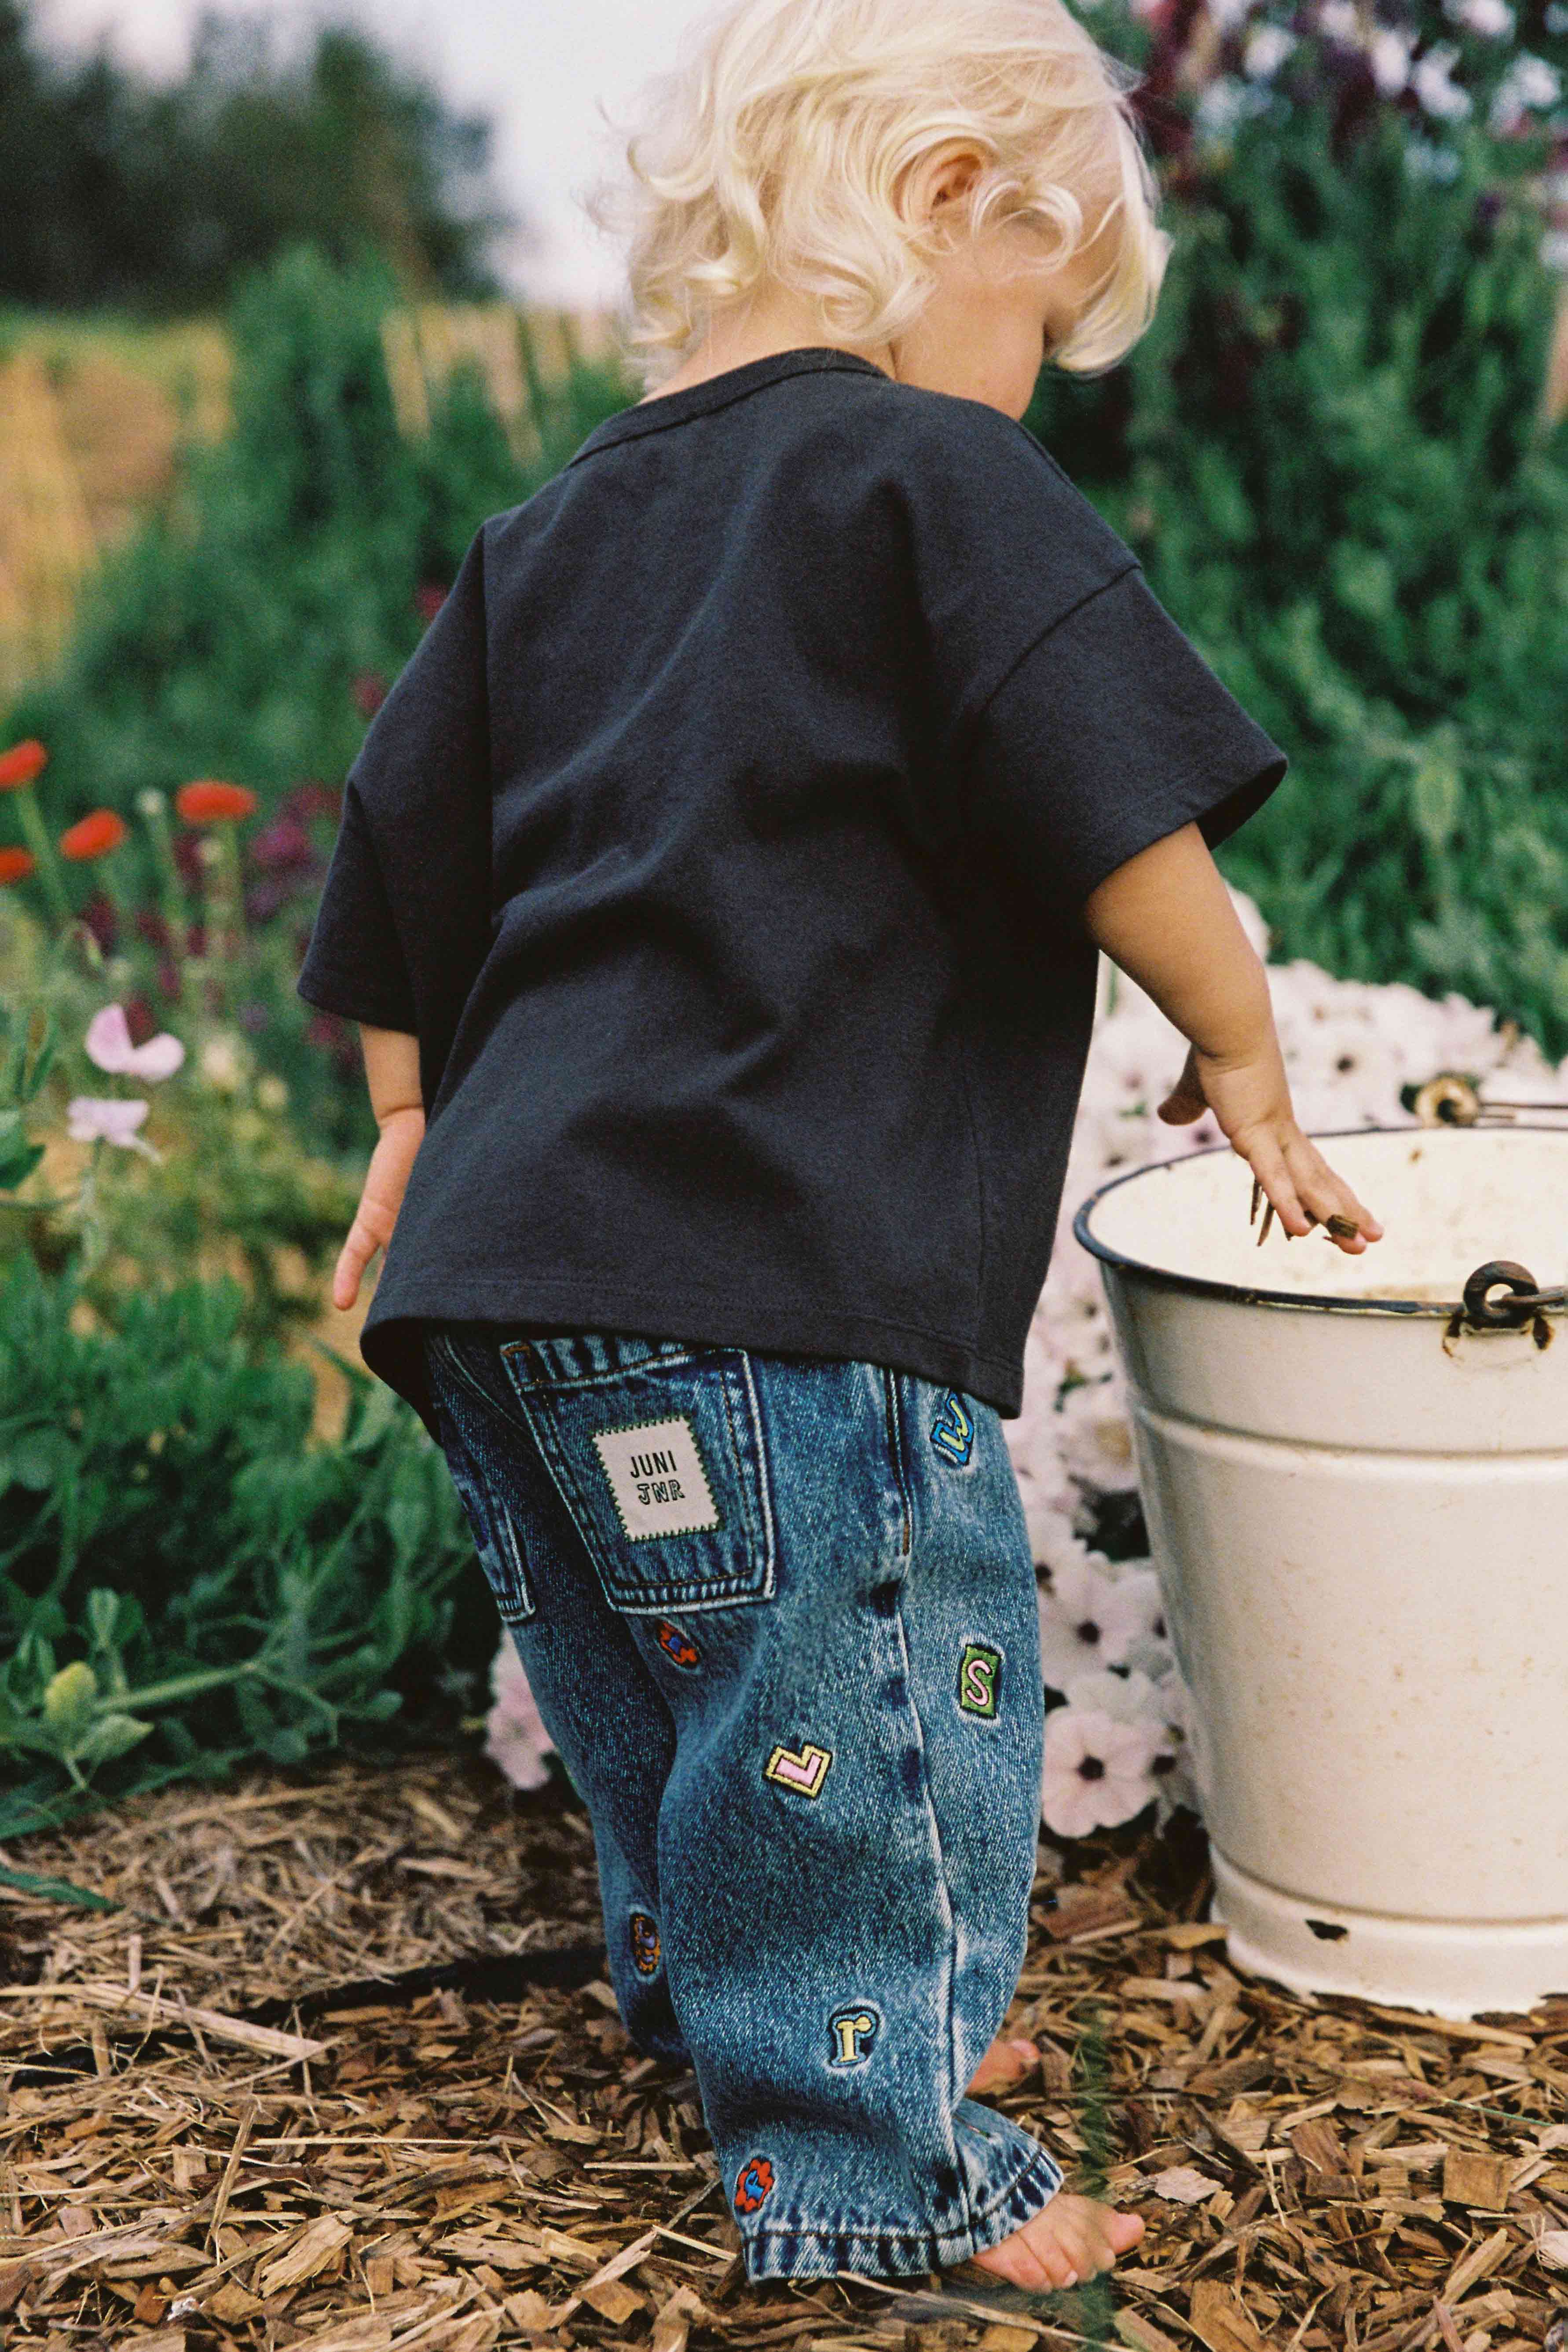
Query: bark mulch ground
<point x="341" y="2070"/>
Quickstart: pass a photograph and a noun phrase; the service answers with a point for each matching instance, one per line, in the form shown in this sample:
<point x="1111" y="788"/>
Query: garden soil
<point x="336" y="2066"/>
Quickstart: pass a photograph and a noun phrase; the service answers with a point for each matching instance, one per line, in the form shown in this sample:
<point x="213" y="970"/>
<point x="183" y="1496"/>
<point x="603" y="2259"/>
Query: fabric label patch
<point x="979" y="1679"/>
<point x="657" y="1478"/>
<point x="645" y="1943"/>
<point x="952" y="1431"/>
<point x="752" y="2183"/>
<point x="853" y="2031"/>
<point x="803" y="1771"/>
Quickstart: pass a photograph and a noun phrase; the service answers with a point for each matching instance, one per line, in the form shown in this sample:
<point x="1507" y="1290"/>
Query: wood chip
<point x="1220" y="2320"/>
<point x="310" y="2254"/>
<point x="168" y="2016"/>
<point x="1478" y="2264"/>
<point x="1473" y="2177"/>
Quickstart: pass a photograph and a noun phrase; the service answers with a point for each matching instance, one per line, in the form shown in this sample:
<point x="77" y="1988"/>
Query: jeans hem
<point x="812" y="2251"/>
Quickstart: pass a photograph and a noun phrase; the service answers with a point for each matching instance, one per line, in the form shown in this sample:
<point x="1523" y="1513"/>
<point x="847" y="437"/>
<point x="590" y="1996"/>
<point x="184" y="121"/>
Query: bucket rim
<point x="1247" y="1294"/>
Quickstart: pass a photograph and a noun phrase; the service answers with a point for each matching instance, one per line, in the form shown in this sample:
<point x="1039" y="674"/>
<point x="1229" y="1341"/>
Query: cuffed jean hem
<point x="782" y="2250"/>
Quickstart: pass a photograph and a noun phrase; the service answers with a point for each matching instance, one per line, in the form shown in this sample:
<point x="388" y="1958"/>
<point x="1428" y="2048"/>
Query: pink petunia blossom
<point x="94" y="1119"/>
<point x="108" y="1043"/>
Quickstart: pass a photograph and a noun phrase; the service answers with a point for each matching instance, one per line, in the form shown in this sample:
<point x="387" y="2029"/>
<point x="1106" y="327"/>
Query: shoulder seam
<point x="1050" y="628"/>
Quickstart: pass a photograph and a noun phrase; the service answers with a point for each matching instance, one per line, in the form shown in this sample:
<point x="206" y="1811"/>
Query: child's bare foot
<point x="1065" y="2243"/>
<point x="1004" y="2065"/>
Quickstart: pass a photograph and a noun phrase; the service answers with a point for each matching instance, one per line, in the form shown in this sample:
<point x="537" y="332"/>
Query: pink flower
<point x="515" y="1736"/>
<point x="108" y="1043"/>
<point x="96" y="1119"/>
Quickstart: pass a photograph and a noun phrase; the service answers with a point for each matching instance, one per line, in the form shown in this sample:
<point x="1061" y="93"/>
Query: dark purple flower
<point x="99" y="915"/>
<point x="254" y="1017"/>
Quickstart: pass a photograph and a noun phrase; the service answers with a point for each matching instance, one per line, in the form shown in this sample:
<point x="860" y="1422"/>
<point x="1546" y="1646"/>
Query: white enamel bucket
<point x="1358" y="1508"/>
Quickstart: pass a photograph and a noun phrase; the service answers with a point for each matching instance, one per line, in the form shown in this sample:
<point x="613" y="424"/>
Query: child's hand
<point x="1251" y="1100"/>
<point x="386" y="1179"/>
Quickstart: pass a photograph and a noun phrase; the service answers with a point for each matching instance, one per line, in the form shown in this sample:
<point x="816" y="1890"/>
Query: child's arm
<point x="1165" y="917"/>
<point x="392" y="1073"/>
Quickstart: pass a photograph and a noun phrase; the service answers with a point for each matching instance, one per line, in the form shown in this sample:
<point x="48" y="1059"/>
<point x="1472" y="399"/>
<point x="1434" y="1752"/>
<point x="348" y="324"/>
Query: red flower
<point x="21" y="763"/>
<point x="428" y="600"/>
<point x="16" y="865"/>
<point x="369" y="693"/>
<point x="93" y="836"/>
<point x="203" y="802"/>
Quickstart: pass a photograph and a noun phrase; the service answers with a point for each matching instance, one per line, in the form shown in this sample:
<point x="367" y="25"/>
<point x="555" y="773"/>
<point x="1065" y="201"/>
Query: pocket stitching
<point x="493" y="1508"/>
<point x="709" y="1592"/>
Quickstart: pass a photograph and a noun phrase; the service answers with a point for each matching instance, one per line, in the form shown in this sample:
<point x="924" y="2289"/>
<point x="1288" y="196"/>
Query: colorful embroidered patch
<point x="804" y="1770"/>
<point x="952" y="1431"/>
<point x="752" y="2183"/>
<point x="678" y="1647"/>
<point x="657" y="1478"/>
<point x="645" y="1943"/>
<point x="853" y="2031"/>
<point x="979" y="1679"/>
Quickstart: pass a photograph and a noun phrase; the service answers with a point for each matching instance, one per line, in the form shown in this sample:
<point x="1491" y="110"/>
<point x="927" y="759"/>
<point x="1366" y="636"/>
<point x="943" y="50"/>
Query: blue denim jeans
<point x="779" y="1617"/>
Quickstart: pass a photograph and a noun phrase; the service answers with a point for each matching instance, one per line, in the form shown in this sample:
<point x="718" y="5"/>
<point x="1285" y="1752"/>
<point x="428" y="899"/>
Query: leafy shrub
<point x="185" y="1579"/>
<point x="1330" y="455"/>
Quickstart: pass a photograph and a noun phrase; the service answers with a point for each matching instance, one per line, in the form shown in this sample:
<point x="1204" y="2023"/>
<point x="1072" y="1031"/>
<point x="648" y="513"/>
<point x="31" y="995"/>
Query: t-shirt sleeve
<point x="1111" y="732"/>
<point x="1079" y="721"/>
<point x="403" y="924"/>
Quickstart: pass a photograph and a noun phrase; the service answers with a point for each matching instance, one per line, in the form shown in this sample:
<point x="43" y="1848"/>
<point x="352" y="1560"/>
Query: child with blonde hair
<point x="719" y="892"/>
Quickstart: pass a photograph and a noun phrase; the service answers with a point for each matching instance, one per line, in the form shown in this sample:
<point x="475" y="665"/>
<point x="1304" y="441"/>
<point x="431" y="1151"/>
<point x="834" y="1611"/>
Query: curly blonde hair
<point x="776" y="147"/>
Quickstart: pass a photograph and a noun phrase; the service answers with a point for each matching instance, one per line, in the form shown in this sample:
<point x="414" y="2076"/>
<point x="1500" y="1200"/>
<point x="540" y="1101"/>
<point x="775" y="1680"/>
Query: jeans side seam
<point x="949" y="1922"/>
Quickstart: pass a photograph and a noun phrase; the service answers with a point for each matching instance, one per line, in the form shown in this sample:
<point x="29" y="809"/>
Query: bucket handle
<point x="1521" y="1303"/>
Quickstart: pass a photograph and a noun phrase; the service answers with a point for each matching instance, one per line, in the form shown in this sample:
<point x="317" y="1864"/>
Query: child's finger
<point x="1266" y="1161"/>
<point x="1186" y="1099"/>
<point x="355" y="1256"/>
<point x="1328" y="1195"/>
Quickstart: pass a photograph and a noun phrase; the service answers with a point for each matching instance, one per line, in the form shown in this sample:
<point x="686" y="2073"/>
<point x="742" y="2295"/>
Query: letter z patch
<point x="656" y="1474"/>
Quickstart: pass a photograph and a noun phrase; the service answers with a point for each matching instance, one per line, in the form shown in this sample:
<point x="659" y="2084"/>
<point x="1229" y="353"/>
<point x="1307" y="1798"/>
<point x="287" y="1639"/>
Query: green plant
<point x="186" y="1581"/>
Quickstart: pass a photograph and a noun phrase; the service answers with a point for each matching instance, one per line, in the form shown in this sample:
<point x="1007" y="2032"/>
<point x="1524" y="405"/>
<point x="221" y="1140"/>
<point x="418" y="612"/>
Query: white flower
<point x="1430" y="80"/>
<point x="149" y="800"/>
<point x="1494" y="19"/>
<point x="1389" y="52"/>
<point x="95" y="1119"/>
<point x="1531" y="82"/>
<point x="1096" y="1770"/>
<point x="272" y="1092"/>
<point x="1225" y="103"/>
<point x="222" y="1063"/>
<point x="1339" y="19"/>
<point x="515" y="1736"/>
<point x="1267" y="50"/>
<point x="108" y="1043"/>
<point x="1091" y="1616"/>
<point x="1095" y="1439"/>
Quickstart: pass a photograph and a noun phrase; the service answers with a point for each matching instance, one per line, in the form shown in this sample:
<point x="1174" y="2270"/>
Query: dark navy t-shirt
<point x="725" y="845"/>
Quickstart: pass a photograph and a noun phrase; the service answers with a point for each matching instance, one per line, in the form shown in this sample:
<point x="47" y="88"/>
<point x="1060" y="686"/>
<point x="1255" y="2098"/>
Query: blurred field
<point x="93" y="417"/>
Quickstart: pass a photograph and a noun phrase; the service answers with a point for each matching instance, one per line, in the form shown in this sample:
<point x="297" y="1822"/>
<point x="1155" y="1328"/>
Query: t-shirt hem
<point x="352" y="1005"/>
<point x="1217" y="802"/>
<point x="393" y="1343"/>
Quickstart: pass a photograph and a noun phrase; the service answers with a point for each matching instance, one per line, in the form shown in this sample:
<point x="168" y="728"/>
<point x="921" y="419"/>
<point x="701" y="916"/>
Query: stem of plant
<point x="43" y="849"/>
<point x="1097" y="2301"/>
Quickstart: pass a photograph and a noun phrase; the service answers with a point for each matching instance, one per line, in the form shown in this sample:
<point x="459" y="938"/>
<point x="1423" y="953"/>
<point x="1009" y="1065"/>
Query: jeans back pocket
<point x="492" y="1525"/>
<point x="657" y="1451"/>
